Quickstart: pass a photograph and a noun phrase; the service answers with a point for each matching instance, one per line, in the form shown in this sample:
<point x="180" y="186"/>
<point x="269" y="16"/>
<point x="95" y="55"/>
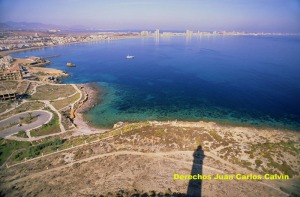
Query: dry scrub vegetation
<point x="51" y="92"/>
<point x="142" y="157"/>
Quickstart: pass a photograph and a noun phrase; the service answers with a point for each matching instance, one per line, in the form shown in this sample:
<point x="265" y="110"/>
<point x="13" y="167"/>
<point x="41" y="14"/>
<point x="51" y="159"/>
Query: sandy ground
<point x="83" y="128"/>
<point x="50" y="71"/>
<point x="92" y="91"/>
<point x="22" y="61"/>
<point x="132" y="173"/>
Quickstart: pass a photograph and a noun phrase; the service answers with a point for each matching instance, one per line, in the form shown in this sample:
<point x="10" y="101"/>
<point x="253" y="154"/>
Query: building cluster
<point x="21" y="41"/>
<point x="146" y="33"/>
<point x="10" y="70"/>
<point x="156" y="33"/>
<point x="189" y="33"/>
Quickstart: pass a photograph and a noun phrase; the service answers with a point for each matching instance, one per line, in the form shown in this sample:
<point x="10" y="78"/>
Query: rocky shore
<point x="93" y="92"/>
<point x="91" y="97"/>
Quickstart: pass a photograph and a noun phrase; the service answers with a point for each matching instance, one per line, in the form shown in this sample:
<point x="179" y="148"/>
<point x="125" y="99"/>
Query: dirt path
<point x="76" y="88"/>
<point x="63" y="130"/>
<point x="151" y="155"/>
<point x="83" y="127"/>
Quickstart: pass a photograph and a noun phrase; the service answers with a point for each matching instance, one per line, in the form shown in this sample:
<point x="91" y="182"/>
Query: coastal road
<point x="42" y="118"/>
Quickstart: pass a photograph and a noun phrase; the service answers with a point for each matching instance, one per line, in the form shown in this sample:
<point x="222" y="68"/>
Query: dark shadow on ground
<point x="195" y="186"/>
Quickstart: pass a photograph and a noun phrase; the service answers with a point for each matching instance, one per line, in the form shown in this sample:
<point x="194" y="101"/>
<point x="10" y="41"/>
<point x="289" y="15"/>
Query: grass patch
<point x="21" y="134"/>
<point x="65" y="102"/>
<point x="7" y="147"/>
<point x="242" y="163"/>
<point x="52" y="144"/>
<point x="268" y="151"/>
<point x="15" y="85"/>
<point x="28" y="119"/>
<point x="258" y="162"/>
<point x="37" y="150"/>
<point x="5" y="105"/>
<point x="49" y="128"/>
<point x="28" y="106"/>
<point x="215" y="135"/>
<point x="284" y="168"/>
<point x="51" y="92"/>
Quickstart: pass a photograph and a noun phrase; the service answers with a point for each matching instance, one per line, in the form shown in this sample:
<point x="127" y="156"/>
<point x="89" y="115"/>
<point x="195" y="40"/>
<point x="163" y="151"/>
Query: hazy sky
<point x="239" y="15"/>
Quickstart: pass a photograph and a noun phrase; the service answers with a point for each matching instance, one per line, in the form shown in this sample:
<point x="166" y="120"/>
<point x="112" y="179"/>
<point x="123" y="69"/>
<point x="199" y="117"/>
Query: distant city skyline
<point x="203" y="15"/>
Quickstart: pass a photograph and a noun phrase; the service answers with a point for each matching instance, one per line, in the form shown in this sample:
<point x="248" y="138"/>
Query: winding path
<point x="43" y="117"/>
<point x="8" y="135"/>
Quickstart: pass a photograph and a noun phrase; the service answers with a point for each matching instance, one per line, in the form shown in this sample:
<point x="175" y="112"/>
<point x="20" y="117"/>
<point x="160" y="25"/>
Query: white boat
<point x="129" y="57"/>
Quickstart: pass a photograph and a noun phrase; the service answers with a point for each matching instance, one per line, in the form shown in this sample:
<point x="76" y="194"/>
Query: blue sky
<point x="238" y="15"/>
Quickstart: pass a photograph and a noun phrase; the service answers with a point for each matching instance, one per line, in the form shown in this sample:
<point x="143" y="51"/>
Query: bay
<point x="242" y="80"/>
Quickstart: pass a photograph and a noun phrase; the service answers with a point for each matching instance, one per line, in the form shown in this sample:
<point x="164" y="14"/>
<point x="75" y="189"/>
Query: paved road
<point x="42" y="118"/>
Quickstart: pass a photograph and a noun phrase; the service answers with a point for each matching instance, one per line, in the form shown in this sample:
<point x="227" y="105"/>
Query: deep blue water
<point x="232" y="79"/>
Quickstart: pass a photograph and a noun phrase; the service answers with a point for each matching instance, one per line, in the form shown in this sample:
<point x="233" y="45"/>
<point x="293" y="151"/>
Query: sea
<point x="234" y="80"/>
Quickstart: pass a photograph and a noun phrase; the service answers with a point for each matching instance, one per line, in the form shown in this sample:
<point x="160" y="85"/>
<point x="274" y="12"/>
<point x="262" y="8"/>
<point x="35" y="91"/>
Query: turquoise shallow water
<point x="233" y="79"/>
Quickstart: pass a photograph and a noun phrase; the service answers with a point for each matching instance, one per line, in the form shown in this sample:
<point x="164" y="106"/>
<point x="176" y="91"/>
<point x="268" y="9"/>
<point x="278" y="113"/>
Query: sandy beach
<point x="92" y="93"/>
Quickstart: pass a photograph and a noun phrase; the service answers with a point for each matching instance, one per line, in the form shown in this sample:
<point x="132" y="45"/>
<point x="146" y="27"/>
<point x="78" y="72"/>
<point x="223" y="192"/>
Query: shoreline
<point x="5" y="53"/>
<point x="94" y="92"/>
<point x="94" y="97"/>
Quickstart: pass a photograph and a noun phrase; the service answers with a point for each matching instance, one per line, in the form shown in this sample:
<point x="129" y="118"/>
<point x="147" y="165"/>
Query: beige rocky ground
<point x="47" y="72"/>
<point x="145" y="156"/>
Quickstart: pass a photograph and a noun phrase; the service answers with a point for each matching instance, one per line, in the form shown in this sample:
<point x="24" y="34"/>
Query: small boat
<point x="129" y="57"/>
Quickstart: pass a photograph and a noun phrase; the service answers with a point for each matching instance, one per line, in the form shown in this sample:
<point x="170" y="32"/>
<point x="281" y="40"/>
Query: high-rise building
<point x="145" y="33"/>
<point x="189" y="33"/>
<point x="156" y="33"/>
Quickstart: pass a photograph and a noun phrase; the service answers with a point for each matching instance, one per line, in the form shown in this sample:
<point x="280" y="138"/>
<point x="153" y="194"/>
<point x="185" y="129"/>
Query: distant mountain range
<point x="10" y="25"/>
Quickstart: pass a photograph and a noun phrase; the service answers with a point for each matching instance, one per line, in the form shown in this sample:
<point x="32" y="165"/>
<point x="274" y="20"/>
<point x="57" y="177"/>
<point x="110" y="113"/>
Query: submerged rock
<point x="71" y="64"/>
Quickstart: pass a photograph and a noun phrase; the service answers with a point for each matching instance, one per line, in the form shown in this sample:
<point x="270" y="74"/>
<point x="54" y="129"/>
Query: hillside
<point x="142" y="158"/>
